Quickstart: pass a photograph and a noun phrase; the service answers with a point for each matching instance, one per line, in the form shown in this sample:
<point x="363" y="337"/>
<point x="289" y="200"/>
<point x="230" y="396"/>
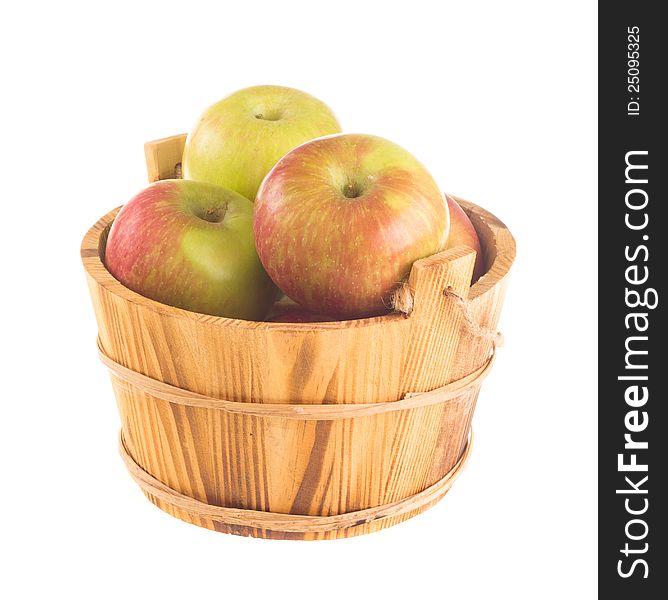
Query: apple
<point x="240" y="138"/>
<point x="462" y="233"/>
<point x="190" y="244"/>
<point x="340" y="220"/>
<point x="288" y="311"/>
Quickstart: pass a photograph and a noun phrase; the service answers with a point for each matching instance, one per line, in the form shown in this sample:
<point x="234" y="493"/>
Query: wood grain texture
<point x="163" y="157"/>
<point x="288" y="523"/>
<point x="291" y="466"/>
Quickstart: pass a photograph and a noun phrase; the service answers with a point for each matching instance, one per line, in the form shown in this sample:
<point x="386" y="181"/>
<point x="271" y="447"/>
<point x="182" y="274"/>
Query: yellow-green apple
<point x="239" y="139"/>
<point x="340" y="220"/>
<point x="190" y="244"/>
<point x="462" y="233"/>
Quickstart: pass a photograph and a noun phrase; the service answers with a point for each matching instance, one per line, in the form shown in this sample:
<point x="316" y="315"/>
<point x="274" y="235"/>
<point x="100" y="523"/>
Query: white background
<point x="495" y="98"/>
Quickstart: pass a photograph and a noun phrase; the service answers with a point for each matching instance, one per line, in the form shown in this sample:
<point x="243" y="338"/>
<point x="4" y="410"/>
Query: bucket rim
<point x="487" y="224"/>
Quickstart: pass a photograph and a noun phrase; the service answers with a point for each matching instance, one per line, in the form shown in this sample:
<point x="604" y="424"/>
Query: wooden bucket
<point x="300" y="430"/>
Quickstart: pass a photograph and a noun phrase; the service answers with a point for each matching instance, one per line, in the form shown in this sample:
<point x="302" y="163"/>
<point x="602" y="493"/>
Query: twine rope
<point x="307" y="412"/>
<point x="496" y="337"/>
<point x="402" y="301"/>
<point x="288" y="522"/>
<point x="316" y="412"/>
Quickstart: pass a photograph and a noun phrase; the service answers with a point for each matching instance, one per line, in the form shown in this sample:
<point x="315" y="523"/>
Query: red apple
<point x="340" y="220"/>
<point x="190" y="244"/>
<point x="462" y="233"/>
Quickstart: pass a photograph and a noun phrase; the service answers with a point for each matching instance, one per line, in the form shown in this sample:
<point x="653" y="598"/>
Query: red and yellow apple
<point x="339" y="221"/>
<point x="239" y="139"/>
<point x="190" y="244"/>
<point x="462" y="233"/>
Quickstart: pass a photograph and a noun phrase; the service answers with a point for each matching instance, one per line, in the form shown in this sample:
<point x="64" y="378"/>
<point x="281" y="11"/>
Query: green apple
<point x="237" y="141"/>
<point x="190" y="244"/>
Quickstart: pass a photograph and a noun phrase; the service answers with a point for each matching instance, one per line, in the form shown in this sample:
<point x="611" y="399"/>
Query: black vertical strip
<point x="633" y="338"/>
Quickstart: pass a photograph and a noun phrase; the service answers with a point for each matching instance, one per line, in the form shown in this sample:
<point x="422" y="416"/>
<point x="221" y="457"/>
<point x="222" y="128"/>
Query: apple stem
<point x="351" y="190"/>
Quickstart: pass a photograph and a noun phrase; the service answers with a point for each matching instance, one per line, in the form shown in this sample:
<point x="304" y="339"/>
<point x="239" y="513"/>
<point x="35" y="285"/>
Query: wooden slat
<point x="163" y="157"/>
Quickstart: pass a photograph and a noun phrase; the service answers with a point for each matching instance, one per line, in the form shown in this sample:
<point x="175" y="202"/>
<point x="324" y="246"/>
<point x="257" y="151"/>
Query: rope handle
<point x="496" y="337"/>
<point x="402" y="301"/>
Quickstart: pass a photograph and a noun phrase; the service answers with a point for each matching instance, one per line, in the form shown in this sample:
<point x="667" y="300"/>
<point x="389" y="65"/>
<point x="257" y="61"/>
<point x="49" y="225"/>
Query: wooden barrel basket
<point x="300" y="430"/>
